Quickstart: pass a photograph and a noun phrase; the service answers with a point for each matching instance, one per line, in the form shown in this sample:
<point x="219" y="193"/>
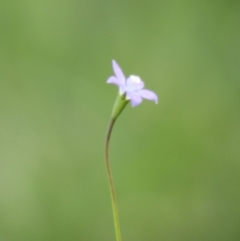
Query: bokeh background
<point x="176" y="165"/>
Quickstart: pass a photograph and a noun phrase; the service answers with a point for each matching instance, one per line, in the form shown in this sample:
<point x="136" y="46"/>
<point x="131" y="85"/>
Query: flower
<point x="132" y="87"/>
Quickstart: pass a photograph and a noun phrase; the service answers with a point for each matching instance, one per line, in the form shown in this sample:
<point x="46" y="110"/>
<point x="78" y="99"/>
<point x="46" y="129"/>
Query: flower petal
<point x="118" y="72"/>
<point x="135" y="99"/>
<point x="149" y="95"/>
<point x="114" y="80"/>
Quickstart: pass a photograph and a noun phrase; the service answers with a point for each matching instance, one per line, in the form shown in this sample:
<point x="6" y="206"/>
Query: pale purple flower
<point x="132" y="87"/>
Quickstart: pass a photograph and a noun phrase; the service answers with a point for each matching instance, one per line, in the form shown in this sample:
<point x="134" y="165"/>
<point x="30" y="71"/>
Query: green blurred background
<point x="176" y="165"/>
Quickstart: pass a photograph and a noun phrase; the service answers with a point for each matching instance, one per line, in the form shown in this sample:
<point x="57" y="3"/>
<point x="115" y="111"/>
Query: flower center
<point x="134" y="80"/>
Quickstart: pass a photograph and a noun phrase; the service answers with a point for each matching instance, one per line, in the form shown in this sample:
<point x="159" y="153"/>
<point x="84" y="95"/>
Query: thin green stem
<point x="110" y="180"/>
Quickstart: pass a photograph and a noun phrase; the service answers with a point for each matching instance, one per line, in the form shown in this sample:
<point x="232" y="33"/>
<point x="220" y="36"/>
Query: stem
<point x="110" y="180"/>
